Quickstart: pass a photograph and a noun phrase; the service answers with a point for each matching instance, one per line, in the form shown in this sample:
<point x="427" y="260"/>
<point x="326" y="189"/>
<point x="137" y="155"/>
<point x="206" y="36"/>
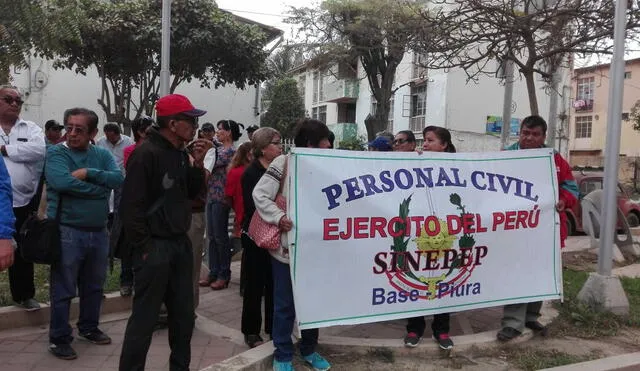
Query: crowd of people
<point x="172" y="183"/>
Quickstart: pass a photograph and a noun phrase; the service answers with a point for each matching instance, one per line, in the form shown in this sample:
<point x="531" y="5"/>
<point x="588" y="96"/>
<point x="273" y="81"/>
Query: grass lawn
<point x="41" y="274"/>
<point x="577" y="319"/>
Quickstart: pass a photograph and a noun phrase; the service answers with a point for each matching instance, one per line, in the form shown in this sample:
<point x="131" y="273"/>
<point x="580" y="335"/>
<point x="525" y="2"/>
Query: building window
<point x="319" y="113"/>
<point x="418" y="107"/>
<point x="586" y="88"/>
<point x="627" y="75"/>
<point x="419" y="70"/>
<point x="583" y="126"/>
<point x="374" y="108"/>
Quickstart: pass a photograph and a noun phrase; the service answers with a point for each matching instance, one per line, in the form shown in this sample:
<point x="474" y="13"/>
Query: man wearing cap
<point x="53" y="132"/>
<point x="162" y="180"/>
<point x="380" y="144"/>
<point x="208" y="131"/>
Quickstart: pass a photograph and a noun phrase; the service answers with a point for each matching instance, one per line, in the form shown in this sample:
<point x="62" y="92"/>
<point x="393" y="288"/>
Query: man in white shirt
<point x="23" y="149"/>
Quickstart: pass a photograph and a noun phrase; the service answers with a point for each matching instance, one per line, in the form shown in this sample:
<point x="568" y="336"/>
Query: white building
<point x="338" y="96"/>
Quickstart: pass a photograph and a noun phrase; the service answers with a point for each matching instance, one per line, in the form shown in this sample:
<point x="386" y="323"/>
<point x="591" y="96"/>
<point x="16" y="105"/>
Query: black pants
<point x="21" y="272"/>
<point x="440" y="325"/>
<point x="162" y="275"/>
<point x="259" y="282"/>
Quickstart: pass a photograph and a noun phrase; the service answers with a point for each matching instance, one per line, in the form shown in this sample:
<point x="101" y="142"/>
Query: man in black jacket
<point x="162" y="179"/>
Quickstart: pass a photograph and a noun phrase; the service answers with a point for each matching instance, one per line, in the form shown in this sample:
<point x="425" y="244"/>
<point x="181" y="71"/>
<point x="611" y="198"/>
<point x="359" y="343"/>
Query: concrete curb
<point x="13" y="317"/>
<point x="260" y="358"/>
<point x="621" y="362"/>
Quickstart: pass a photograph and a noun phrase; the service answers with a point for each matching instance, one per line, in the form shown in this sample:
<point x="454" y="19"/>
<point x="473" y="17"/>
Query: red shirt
<point x="127" y="152"/>
<point x="233" y="191"/>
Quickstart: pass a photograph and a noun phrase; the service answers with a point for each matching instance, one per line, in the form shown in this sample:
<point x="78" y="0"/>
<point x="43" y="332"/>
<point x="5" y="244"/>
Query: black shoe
<point x="508" y="333"/>
<point x="63" y="351"/>
<point x="96" y="337"/>
<point x="29" y="305"/>
<point x="253" y="340"/>
<point x="126" y="291"/>
<point x="537" y="327"/>
<point x="411" y="340"/>
<point x="444" y="341"/>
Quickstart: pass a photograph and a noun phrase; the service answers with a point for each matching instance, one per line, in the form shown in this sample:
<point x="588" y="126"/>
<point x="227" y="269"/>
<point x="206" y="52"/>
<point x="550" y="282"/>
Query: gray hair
<point x="262" y="138"/>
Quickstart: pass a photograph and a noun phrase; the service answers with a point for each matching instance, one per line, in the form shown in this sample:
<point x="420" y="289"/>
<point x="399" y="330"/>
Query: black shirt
<point x="249" y="179"/>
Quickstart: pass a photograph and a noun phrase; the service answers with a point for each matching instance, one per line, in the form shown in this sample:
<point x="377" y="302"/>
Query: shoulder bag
<point x="267" y="235"/>
<point x="40" y="238"/>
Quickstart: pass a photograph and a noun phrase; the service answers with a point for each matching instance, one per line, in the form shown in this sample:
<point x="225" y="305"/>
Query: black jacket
<point x="249" y="179"/>
<point x="157" y="191"/>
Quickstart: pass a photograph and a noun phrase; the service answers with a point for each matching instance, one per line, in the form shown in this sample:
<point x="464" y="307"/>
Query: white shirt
<point x="117" y="150"/>
<point x="26" y="149"/>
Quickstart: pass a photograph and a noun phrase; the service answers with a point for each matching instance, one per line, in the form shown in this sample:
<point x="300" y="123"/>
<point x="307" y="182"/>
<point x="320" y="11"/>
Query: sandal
<point x="206" y="282"/>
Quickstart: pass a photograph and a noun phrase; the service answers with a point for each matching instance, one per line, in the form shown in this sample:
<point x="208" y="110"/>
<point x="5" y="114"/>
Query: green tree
<point x="28" y="26"/>
<point x="121" y="39"/>
<point x="375" y="32"/>
<point x="285" y="107"/>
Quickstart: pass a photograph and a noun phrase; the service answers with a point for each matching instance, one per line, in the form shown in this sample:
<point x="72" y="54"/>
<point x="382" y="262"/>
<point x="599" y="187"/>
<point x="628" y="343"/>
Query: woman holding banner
<point x="436" y="139"/>
<point x="309" y="133"/>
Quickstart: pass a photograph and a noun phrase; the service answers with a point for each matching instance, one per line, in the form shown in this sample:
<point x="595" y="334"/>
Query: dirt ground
<point x="527" y="355"/>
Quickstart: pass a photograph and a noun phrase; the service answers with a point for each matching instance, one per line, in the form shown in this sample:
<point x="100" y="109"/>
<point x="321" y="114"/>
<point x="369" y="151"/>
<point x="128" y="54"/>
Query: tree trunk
<point x="531" y="91"/>
<point x="4" y="76"/>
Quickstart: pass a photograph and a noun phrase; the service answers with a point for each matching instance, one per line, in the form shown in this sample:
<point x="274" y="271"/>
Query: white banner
<point x="380" y="236"/>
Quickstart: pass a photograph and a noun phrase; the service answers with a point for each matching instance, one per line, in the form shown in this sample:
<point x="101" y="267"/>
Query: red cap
<point x="174" y="104"/>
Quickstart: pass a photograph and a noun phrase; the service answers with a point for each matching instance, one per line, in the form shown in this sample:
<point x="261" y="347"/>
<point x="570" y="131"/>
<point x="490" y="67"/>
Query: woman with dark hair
<point x="233" y="188"/>
<point x="436" y="139"/>
<point x="256" y="262"/>
<point x="313" y="134"/>
<point x="139" y="128"/>
<point x="217" y="210"/>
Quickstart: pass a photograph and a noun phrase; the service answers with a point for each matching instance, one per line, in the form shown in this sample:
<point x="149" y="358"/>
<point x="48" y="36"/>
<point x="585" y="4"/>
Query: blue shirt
<point x="85" y="203"/>
<point x="7" y="219"/>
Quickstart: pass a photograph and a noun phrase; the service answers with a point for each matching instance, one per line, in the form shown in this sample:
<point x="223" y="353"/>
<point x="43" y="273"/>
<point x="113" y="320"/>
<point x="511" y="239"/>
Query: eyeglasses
<point x="191" y="120"/>
<point x="400" y="141"/>
<point x="78" y="130"/>
<point x="11" y="100"/>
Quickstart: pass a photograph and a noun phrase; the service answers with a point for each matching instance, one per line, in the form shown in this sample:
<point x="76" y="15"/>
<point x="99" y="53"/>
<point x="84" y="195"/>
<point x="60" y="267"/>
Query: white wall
<point x="48" y="93"/>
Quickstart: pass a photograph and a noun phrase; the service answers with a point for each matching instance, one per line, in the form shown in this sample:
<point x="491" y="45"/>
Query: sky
<point x="269" y="12"/>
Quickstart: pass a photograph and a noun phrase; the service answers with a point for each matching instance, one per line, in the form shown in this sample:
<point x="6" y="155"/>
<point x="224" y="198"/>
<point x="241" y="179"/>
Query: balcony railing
<point x="341" y="91"/>
<point x="583" y="105"/>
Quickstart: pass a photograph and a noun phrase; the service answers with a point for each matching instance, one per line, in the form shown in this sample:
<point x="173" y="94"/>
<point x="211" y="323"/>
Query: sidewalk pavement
<point x="217" y="336"/>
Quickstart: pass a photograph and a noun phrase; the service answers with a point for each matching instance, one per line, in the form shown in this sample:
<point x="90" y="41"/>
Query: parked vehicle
<point x="589" y="182"/>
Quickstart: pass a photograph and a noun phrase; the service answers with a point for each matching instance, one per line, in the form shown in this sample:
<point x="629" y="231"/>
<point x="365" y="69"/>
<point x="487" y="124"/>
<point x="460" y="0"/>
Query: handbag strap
<point x="284" y="174"/>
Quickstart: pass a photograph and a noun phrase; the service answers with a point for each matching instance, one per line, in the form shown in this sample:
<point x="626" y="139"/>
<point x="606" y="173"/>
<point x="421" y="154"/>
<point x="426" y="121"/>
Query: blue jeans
<point x="83" y="265"/>
<point x="284" y="314"/>
<point x="219" y="243"/>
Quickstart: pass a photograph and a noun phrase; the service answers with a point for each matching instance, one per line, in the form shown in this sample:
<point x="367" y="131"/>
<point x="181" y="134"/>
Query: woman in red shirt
<point x="233" y="188"/>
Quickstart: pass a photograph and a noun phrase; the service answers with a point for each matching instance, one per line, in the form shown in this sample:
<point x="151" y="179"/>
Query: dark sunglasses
<point x="11" y="100"/>
<point x="191" y="120"/>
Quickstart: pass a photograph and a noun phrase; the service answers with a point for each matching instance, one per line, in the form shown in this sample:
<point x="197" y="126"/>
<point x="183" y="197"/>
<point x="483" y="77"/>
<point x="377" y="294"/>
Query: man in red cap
<point x="162" y="180"/>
